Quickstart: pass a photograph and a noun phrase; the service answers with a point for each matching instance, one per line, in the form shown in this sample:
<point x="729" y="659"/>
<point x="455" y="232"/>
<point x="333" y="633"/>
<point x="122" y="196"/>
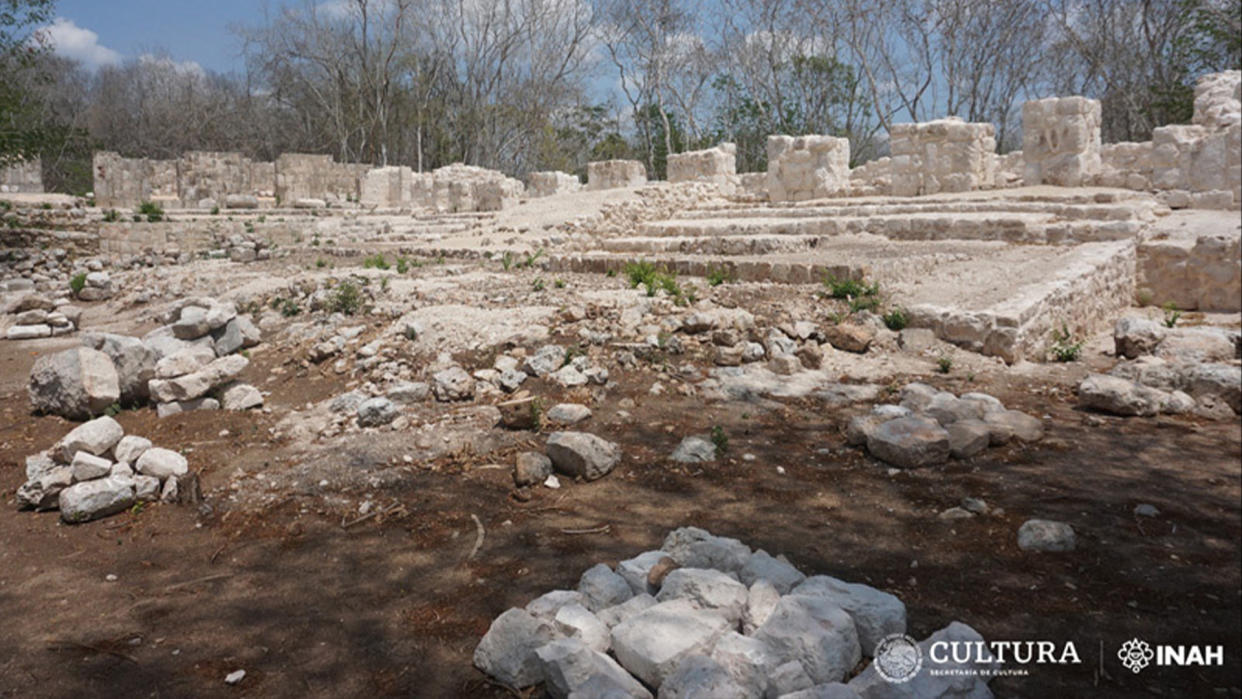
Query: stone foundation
<point x="611" y="174"/>
<point x="24" y="177"/>
<point x="718" y="165"/>
<point x="1202" y="273"/>
<point x="807" y="167"/>
<point x="1061" y="141"/>
<point x="550" y="182"/>
<point x="947" y="155"/>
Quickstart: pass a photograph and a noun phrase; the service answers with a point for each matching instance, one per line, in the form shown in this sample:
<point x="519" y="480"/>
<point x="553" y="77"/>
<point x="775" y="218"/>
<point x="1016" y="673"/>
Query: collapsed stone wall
<point x="172" y="240"/>
<point x="386" y="187"/>
<point x="946" y="155"/>
<point x="1202" y="273"/>
<point x="207" y="178"/>
<point x="454" y="188"/>
<point x="26" y="177"/>
<point x="872" y="178"/>
<point x="807" y="167"/>
<point x="611" y="174"/>
<point x="718" y="165"/>
<point x="550" y="182"/>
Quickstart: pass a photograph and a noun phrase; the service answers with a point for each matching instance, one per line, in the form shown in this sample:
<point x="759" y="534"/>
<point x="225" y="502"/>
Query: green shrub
<point x="944" y="364"/>
<point x="151" y="211"/>
<point x="850" y="288"/>
<point x="896" y="319"/>
<point x="864" y="303"/>
<point x="720" y="439"/>
<point x="1171" y="314"/>
<point x="215" y="211"/>
<point x="722" y="275"/>
<point x="78" y="283"/>
<point x="376" y="261"/>
<point x="111" y="216"/>
<point x="403" y="265"/>
<point x="639" y="272"/>
<point x="559" y="283"/>
<point x="347" y="299"/>
<point x="1064" y="348"/>
<point x="538" y="285"/>
<point x="506" y="260"/>
<point x="321" y="263"/>
<point x="290" y="308"/>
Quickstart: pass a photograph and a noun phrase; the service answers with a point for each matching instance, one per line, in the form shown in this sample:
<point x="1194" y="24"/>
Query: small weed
<point x="944" y="364"/>
<point x="403" y="265"/>
<point x="850" y="288"/>
<point x="410" y="332"/>
<point x="113" y="410"/>
<point x="559" y="283"/>
<point x="864" y="303"/>
<point x="215" y="211"/>
<point x="896" y="319"/>
<point x="111" y="216"/>
<point x="321" y="263"/>
<point x="506" y="260"/>
<point x="722" y="275"/>
<point x="376" y="261"/>
<point x="610" y="273"/>
<point x="290" y="308"/>
<point x="531" y="258"/>
<point x="347" y="299"/>
<point x="1064" y="348"/>
<point x="78" y="283"/>
<point x="384" y="284"/>
<point x="538" y="285"/>
<point x="151" y="211"/>
<point x="536" y="413"/>
<point x="1171" y="314"/>
<point x="639" y="272"/>
<point x="720" y="439"/>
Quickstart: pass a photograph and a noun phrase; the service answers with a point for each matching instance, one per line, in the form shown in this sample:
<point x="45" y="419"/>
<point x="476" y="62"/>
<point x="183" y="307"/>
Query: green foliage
<point x="506" y="260"/>
<point x="403" y="265"/>
<point x="896" y="319"/>
<point x="720" y="275"/>
<point x="151" y="211"/>
<point x="850" y="288"/>
<point x="639" y="272"/>
<point x="720" y="439"/>
<point x="612" y="272"/>
<point x="532" y="258"/>
<point x="1064" y="348"/>
<point x="321" y="263"/>
<point x="944" y="364"/>
<point x="864" y="303"/>
<point x="111" y="216"/>
<point x="538" y="285"/>
<point x="346" y="299"/>
<point x="375" y="261"/>
<point x="290" y="308"/>
<point x="215" y="211"/>
<point x="78" y="283"/>
<point x="559" y="283"/>
<point x="1171" y="314"/>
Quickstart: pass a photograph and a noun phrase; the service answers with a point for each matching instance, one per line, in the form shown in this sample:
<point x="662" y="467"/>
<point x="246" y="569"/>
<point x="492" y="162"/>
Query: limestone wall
<point x="122" y="239"/>
<point x="807" y="167"/>
<point x="872" y="178"/>
<point x="307" y="176"/>
<point x="549" y="182"/>
<point x="1218" y="100"/>
<point x="1199" y="160"/>
<point x="1126" y="165"/>
<point x="25" y="177"/>
<point x="207" y="178"/>
<point x="1061" y="141"/>
<point x="387" y="187"/>
<point x="462" y="188"/>
<point x="1202" y="273"/>
<point x="611" y="174"/>
<point x="946" y="155"/>
<point x="717" y="165"/>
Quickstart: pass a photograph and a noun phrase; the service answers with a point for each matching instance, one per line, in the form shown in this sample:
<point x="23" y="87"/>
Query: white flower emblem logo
<point x="1135" y="655"/>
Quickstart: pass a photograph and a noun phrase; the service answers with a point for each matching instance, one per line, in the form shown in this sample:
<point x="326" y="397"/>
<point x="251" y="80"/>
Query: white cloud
<point x="151" y="60"/>
<point x="71" y="41"/>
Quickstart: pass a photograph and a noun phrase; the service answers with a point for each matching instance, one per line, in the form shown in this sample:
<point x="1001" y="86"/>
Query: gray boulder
<point x="134" y="362"/>
<point x="42" y="492"/>
<point x="708" y="589"/>
<point x="876" y="614"/>
<point x="75" y="383"/>
<point x="652" y="643"/>
<point x="238" y="333"/>
<point x="375" y="412"/>
<point x="94" y="437"/>
<point x="701" y="677"/>
<point x="1046" y="535"/>
<point x="1112" y="394"/>
<point x="570" y="668"/>
<point x="910" y="442"/>
<point x="582" y="455"/>
<point x="545" y="360"/>
<point x="815" y="632"/>
<point x="694" y="450"/>
<point x="602" y="588"/>
<point x="1134" y="337"/>
<point x="130" y="448"/>
<point x="507" y="651"/>
<point x="968" y="438"/>
<point x="240" y="396"/>
<point x="452" y="384"/>
<point x="693" y="547"/>
<point x="97" y="498"/>
<point x="531" y="468"/>
<point x="762" y="566"/>
<point x="161" y="463"/>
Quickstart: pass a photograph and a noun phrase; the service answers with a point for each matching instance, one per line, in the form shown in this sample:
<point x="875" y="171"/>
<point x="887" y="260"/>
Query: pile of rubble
<point x="36" y="315"/>
<point x="1173" y="370"/>
<point x="177" y="365"/>
<point x="243" y="248"/>
<point x="705" y="616"/>
<point x="97" y="470"/>
<point x="930" y="426"/>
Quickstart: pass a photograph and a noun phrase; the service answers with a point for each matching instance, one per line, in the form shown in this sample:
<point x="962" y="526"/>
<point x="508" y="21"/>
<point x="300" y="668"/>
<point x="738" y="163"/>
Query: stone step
<point x="1140" y="210"/>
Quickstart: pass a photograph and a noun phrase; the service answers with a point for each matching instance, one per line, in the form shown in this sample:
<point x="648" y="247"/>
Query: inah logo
<point x="898" y="658"/>
<point x="1135" y="655"/>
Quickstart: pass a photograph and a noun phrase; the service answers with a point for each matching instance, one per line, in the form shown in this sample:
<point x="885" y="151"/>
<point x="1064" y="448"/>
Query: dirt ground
<point x="313" y="599"/>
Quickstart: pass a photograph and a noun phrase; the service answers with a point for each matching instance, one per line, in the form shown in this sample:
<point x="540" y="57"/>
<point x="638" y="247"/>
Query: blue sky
<point x="188" y="30"/>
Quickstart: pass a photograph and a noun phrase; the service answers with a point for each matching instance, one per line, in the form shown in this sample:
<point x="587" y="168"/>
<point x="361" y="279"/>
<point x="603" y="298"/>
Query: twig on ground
<point x="478" y="541"/>
<point x="601" y="529"/>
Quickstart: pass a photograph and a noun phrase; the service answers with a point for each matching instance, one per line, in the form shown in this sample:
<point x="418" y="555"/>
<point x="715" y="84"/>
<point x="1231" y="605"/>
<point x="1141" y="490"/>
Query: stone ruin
<point x="807" y="167"/>
<point x="718" y="165"/>
<point x="25" y="177"/>
<point x="1061" y="141"/>
<point x="946" y="155"/>
<point x="612" y="174"/>
<point x="551" y="182"/>
<point x="451" y="189"/>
